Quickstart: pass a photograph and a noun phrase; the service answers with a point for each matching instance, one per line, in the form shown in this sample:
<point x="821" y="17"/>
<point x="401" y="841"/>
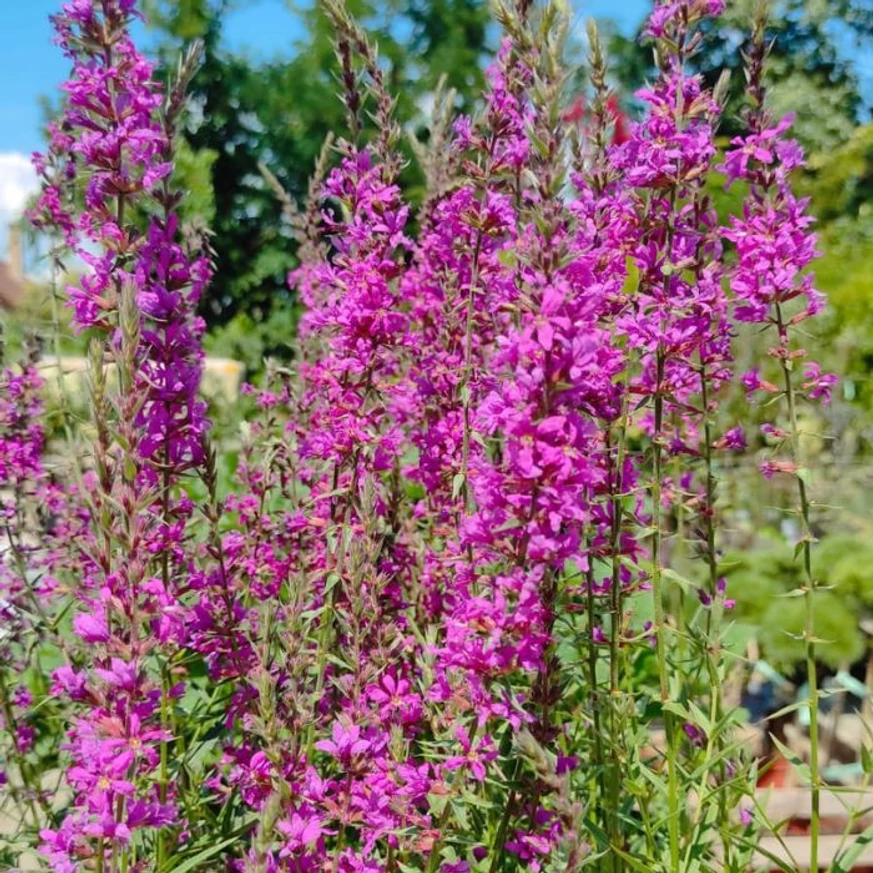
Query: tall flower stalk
<point x="773" y="288"/>
<point x="107" y="176"/>
<point x="673" y="318"/>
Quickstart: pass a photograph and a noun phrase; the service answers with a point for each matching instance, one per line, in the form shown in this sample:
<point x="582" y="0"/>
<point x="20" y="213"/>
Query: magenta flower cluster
<point x="107" y="195"/>
<point x="113" y="147"/>
<point x="360" y="656"/>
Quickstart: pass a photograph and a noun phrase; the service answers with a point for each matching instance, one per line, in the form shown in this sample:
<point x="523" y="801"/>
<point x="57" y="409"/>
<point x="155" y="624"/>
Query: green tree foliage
<point x="842" y="179"/>
<point x="839" y="182"/>
<point x="449" y="36"/>
<point x="812" y="69"/>
<point x="278" y="112"/>
<point x="765" y="584"/>
<point x="782" y="628"/>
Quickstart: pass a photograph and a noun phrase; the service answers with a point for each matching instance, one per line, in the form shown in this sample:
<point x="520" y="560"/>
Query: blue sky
<point x="31" y="67"/>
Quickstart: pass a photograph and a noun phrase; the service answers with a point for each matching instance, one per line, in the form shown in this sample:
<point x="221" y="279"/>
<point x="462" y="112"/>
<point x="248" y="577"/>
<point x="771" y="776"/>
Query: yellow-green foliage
<point x="841" y="179"/>
<point x="765" y="584"/>
<point x="783" y="625"/>
<point x="194" y="174"/>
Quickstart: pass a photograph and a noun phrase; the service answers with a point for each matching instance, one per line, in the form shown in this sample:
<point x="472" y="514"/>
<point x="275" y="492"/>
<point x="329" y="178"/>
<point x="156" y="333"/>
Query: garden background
<point x="264" y="98"/>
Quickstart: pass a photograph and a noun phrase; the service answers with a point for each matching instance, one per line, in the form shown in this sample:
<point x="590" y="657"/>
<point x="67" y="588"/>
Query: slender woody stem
<point x="661" y="621"/>
<point x="712" y="638"/>
<point x="809" y="589"/>
<point x="616" y="610"/>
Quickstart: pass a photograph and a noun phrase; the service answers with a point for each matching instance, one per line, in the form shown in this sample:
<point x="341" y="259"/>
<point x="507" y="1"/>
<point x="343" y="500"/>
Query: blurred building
<point x="12" y="272"/>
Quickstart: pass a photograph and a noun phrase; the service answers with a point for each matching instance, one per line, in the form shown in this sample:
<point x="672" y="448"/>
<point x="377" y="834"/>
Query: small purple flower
<point x="696" y="736"/>
<point x="735" y="439"/>
<point x="818" y="385"/>
<point x="346" y="742"/>
<point x="477" y="754"/>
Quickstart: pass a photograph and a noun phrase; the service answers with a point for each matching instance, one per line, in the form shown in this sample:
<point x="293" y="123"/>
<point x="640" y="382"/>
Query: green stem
<point x="499" y="846"/>
<point x="468" y="364"/>
<point x="661" y="623"/>
<point x="809" y="590"/>
<point x="165" y="761"/>
<point x="434" y="862"/>
<point x="616" y="609"/>
<point x="468" y="331"/>
<point x="712" y="638"/>
<point x="163" y="781"/>
<point x="592" y="674"/>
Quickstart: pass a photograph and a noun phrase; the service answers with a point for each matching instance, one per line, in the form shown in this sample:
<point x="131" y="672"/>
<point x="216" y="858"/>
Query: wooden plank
<point x="796" y="852"/>
<point x="779" y="805"/>
<point x="784" y="803"/>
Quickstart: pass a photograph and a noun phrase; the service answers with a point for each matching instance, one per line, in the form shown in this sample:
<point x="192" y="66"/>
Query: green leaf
<point x="797" y="765"/>
<point x="460" y="811"/>
<point x="682" y="581"/>
<point x="866" y="759"/>
<point x="791" y="707"/>
<point x="794" y="592"/>
<point x="635" y="864"/>
<point x="773" y="859"/>
<point x="678" y="709"/>
<point x="846" y="861"/>
<point x="437" y="803"/>
<point x="194" y="862"/>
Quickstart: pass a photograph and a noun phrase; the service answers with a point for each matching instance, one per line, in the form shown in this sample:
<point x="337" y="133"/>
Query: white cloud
<point x="17" y="182"/>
